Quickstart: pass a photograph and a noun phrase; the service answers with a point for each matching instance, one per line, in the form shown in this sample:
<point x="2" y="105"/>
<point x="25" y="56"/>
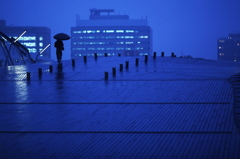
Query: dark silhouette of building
<point x="229" y="48"/>
<point x="112" y="34"/>
<point x="35" y="39"/>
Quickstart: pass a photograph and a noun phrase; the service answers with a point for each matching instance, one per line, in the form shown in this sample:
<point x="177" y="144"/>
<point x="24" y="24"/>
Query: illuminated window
<point x="143" y="36"/>
<point x="139" y="42"/>
<point x="79" y="49"/>
<point x="127" y="48"/>
<point x="129" y="31"/>
<point x="120" y="48"/>
<point x="120" y="36"/>
<point x="97" y="31"/>
<point x="221" y="41"/>
<point x="90" y="37"/>
<point x="129" y="42"/>
<point x="27" y="38"/>
<point x="129" y="37"/>
<point x="91" y="48"/>
<point x="109" y="31"/>
<point x="110" y="37"/>
<point x="29" y="44"/>
<point x="100" y="48"/>
<point x="40" y="38"/>
<point x="220" y="47"/>
<point x="235" y="60"/>
<point x="41" y="44"/>
<point x="238" y="44"/>
<point x="229" y="37"/>
<point x="32" y="50"/>
<point x="110" y="48"/>
<point x="221" y="54"/>
<point x="119" y="31"/>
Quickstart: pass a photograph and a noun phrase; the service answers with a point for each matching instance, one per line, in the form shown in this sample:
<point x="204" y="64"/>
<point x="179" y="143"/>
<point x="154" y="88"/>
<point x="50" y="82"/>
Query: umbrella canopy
<point x="61" y="36"/>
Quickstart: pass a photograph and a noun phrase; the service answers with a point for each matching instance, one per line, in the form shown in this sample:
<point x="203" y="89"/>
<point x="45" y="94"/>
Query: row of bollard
<point x="39" y="72"/>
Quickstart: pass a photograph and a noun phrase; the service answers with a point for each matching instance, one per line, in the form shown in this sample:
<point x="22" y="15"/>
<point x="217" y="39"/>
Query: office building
<point x="35" y="39"/>
<point x="111" y="34"/>
<point x="229" y="48"/>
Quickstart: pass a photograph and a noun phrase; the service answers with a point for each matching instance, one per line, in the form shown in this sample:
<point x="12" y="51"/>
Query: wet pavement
<point x="163" y="108"/>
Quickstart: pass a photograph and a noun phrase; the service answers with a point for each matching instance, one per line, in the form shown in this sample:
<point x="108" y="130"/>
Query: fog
<point x="181" y="26"/>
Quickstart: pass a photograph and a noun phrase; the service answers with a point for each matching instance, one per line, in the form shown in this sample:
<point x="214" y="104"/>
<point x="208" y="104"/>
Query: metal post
<point x="50" y="68"/>
<point x="114" y="71"/>
<point x="121" y="67"/>
<point x="40" y="72"/>
<point x="154" y="55"/>
<point x="137" y="61"/>
<point x="162" y="54"/>
<point x="28" y="76"/>
<point x="119" y="55"/>
<point x="105" y="54"/>
<point x="73" y="62"/>
<point x="106" y="75"/>
<point x="95" y="56"/>
<point x="85" y="58"/>
<point x="172" y="55"/>
<point x="146" y="58"/>
<point x="127" y="64"/>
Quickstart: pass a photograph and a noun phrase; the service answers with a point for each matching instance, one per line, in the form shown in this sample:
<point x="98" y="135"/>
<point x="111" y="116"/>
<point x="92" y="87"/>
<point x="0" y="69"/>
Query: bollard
<point x="28" y="76"/>
<point x="127" y="64"/>
<point x="50" y="68"/>
<point x="85" y="58"/>
<point x="73" y="62"/>
<point x="105" y="54"/>
<point x="121" y="67"/>
<point x="119" y="55"/>
<point x="137" y="61"/>
<point x="146" y="58"/>
<point x="154" y="55"/>
<point x="95" y="56"/>
<point x="106" y="75"/>
<point x="172" y="55"/>
<point x="114" y="71"/>
<point x="162" y="54"/>
<point x="40" y="72"/>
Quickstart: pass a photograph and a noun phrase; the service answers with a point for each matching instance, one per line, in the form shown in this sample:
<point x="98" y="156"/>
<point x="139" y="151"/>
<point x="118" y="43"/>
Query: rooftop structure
<point x="166" y="107"/>
<point x="112" y="34"/>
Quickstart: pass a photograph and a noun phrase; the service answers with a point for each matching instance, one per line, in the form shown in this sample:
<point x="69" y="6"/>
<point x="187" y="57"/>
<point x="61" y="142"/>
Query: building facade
<point x="229" y="48"/>
<point x="111" y="34"/>
<point x="35" y="39"/>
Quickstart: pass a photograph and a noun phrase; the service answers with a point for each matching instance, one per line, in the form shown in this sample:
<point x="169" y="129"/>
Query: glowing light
<point x="45" y="48"/>
<point x="20" y="36"/>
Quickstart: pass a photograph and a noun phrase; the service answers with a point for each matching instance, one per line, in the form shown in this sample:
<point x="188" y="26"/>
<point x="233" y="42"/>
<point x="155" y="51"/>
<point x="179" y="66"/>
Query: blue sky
<point x="191" y="27"/>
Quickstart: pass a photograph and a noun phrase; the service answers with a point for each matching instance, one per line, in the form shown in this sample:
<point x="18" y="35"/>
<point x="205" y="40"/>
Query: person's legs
<point x="59" y="55"/>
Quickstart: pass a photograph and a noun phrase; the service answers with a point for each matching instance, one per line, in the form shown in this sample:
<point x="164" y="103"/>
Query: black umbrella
<point x="61" y="36"/>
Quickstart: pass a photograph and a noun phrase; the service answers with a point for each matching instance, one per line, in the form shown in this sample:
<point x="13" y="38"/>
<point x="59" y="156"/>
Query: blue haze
<point x="181" y="26"/>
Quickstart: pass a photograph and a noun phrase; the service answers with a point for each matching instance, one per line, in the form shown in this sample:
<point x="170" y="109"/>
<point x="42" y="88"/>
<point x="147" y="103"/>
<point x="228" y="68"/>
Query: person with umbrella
<point x="59" y="45"/>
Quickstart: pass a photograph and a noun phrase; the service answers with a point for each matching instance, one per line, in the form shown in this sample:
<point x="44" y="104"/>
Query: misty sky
<point x="188" y="26"/>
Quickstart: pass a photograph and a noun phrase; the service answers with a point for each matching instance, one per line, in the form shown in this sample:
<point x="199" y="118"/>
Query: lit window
<point x="129" y="31"/>
<point x="238" y="44"/>
<point x="127" y="48"/>
<point x="143" y="36"/>
<point x="119" y="31"/>
<point x="129" y="37"/>
<point x="40" y="38"/>
<point x="235" y="60"/>
<point x="90" y="37"/>
<point x="221" y="41"/>
<point x="91" y="48"/>
<point x="229" y="37"/>
<point x="98" y="31"/>
<point x="29" y="44"/>
<point x="41" y="44"/>
<point x="100" y="48"/>
<point x="109" y="31"/>
<point x="32" y="50"/>
<point x="139" y="42"/>
<point x="219" y="47"/>
<point x="129" y="42"/>
<point x="84" y="31"/>
<point x="120" y="36"/>
<point x="110" y="48"/>
<point x="120" y="48"/>
<point x="221" y="54"/>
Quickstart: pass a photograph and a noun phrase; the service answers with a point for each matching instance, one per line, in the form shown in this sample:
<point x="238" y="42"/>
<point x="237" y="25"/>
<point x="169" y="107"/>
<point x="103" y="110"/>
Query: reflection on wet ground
<point x="165" y="108"/>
